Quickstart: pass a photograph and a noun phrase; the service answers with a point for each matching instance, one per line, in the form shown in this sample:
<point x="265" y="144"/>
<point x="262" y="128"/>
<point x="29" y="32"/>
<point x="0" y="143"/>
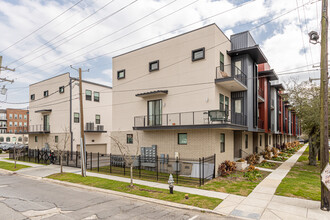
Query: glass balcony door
<point x="155" y="112"/>
<point x="46" y="122"/>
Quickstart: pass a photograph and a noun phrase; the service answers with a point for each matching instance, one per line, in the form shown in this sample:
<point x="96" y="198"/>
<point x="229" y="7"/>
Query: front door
<point x="155" y="112"/>
<point x="46" y="122"/>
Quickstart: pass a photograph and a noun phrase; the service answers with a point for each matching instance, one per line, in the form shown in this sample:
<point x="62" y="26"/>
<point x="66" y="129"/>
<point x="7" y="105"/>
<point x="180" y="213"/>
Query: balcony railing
<point x="39" y="129"/>
<point x="191" y="118"/>
<point x="261" y="92"/>
<point x="231" y="71"/>
<point x="261" y="124"/>
<point x="91" y="128"/>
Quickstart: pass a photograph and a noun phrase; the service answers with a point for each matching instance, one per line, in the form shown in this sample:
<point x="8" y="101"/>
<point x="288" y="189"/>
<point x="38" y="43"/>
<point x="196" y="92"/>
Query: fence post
<point x="157" y="166"/>
<point x="76" y="158"/>
<point x="214" y="159"/>
<point x="98" y="161"/>
<point x="86" y="160"/>
<point x="203" y="171"/>
<point x="110" y="163"/>
<point x="177" y="170"/>
<point x="38" y="155"/>
<point x="29" y="154"/>
<point x="139" y="166"/>
<point x="124" y="167"/>
<point x="67" y="158"/>
<point x="91" y="160"/>
<point x="200" y="173"/>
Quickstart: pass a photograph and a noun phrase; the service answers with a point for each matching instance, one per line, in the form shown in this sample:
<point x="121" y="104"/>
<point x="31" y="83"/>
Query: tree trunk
<point x="61" y="163"/>
<point x="131" y="176"/>
<point x="312" y="152"/>
<point x="15" y="157"/>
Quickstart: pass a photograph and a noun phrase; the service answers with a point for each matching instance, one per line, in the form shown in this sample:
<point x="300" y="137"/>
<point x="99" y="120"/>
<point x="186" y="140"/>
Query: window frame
<point x="195" y="51"/>
<point x="222" y="143"/>
<point x="20" y="116"/>
<point x="36" y="139"/>
<point x="129" y="140"/>
<point x="121" y="71"/>
<point x="182" y="143"/>
<point x="56" y="139"/>
<point x="88" y="95"/>
<point x="97" y="121"/>
<point x="46" y="93"/>
<point x="61" y="89"/>
<point x="222" y="62"/>
<point x="98" y="98"/>
<point x="10" y="116"/>
<point x="33" y="97"/>
<point x="151" y="63"/>
<point x="74" y="117"/>
<point x="221" y="102"/>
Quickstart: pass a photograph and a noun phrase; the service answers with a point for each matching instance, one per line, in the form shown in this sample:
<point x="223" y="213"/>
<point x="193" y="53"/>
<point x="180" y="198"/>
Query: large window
<point x="198" y="54"/>
<point x="246" y="141"/>
<point x="88" y="95"/>
<point x="182" y="138"/>
<point x="7" y="139"/>
<point x="238" y="106"/>
<point x="222" y="143"/>
<point x="222" y="62"/>
<point x="155" y="112"/>
<point x="97" y="119"/>
<point x="76" y="117"/>
<point x="96" y="96"/>
<point x="154" y="65"/>
<point x="129" y="138"/>
<point x="121" y="74"/>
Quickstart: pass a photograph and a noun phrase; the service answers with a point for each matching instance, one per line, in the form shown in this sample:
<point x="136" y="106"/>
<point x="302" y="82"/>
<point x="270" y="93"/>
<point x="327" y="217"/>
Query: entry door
<point x="46" y="122"/>
<point x="155" y="112"/>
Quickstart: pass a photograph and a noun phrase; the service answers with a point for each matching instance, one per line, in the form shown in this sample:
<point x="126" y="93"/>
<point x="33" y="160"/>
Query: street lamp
<point x="313" y="37"/>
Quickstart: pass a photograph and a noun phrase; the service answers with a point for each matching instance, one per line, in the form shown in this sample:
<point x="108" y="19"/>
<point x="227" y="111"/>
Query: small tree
<point x="61" y="147"/>
<point x="127" y="153"/>
<point x="17" y="153"/>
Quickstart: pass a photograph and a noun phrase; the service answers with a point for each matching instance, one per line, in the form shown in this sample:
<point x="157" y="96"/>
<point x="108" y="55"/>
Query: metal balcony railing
<point x="231" y="71"/>
<point x="38" y="128"/>
<point x="261" y="92"/>
<point x="261" y="124"/>
<point x="91" y="128"/>
<point x="191" y="118"/>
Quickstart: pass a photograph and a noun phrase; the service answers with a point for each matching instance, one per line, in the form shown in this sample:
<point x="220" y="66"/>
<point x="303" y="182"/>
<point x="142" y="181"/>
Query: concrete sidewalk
<point x="263" y="204"/>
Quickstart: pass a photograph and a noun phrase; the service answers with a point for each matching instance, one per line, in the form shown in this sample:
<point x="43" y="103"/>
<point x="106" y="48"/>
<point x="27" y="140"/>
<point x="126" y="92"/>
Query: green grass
<point x="303" y="180"/>
<point x="268" y="165"/>
<point x="11" y="166"/>
<point x="235" y="183"/>
<point x="32" y="160"/>
<point x="151" y="192"/>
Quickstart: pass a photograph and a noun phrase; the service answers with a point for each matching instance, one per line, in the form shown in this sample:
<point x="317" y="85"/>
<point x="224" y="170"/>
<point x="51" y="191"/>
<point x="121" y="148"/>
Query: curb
<point x="112" y="192"/>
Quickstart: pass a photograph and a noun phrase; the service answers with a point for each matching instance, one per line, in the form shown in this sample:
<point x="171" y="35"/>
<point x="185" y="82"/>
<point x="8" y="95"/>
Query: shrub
<point x="252" y="173"/>
<point x="275" y="151"/>
<point x="241" y="160"/>
<point x="0" y="151"/>
<point x="252" y="159"/>
<point x="226" y="168"/>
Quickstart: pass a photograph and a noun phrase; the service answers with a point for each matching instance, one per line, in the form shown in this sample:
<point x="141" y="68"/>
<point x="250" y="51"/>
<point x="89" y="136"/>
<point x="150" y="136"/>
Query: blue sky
<point x="48" y="51"/>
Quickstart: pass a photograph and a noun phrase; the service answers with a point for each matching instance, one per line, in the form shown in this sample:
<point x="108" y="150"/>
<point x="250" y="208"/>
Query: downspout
<point x="71" y="116"/>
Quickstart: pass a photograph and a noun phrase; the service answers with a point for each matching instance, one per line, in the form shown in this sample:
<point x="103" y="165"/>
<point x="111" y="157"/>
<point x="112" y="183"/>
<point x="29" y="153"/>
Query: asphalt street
<point x="25" y="198"/>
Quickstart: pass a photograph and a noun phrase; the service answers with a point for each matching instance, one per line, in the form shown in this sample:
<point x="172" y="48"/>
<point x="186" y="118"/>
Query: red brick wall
<point x="18" y="112"/>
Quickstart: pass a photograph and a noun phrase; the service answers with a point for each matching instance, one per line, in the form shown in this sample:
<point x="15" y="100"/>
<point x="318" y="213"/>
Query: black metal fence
<point x="185" y="171"/>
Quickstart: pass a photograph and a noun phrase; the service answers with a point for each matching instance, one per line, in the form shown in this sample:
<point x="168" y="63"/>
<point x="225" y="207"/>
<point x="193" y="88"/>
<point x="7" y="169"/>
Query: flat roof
<point x="85" y="81"/>
<point x="255" y="52"/>
<point x="278" y="86"/>
<point x="157" y="92"/>
<point x="269" y="74"/>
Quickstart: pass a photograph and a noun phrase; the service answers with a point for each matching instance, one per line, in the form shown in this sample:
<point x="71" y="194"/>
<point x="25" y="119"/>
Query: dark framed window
<point x="33" y="97"/>
<point x="35" y="138"/>
<point x="46" y="93"/>
<point x="76" y="117"/>
<point x="238" y="106"/>
<point x="222" y="102"/>
<point x="121" y="74"/>
<point x="56" y="139"/>
<point x="20" y="139"/>
<point x="2" y="139"/>
<point x="182" y="138"/>
<point x="97" y="119"/>
<point x="260" y="141"/>
<point x="129" y="138"/>
<point x="222" y="62"/>
<point x="246" y="141"/>
<point x="222" y="143"/>
<point x="96" y="96"/>
<point x="227" y="105"/>
<point x="88" y="95"/>
<point x="198" y="54"/>
<point x="61" y="89"/>
<point x="8" y="139"/>
<point x="154" y="65"/>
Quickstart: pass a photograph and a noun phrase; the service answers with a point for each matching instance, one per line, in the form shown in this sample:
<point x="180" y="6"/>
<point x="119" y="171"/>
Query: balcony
<point x="231" y="78"/>
<point x="38" y="129"/>
<point x="187" y="120"/>
<point x="261" y="124"/>
<point x="261" y="97"/>
<point x="89" y="127"/>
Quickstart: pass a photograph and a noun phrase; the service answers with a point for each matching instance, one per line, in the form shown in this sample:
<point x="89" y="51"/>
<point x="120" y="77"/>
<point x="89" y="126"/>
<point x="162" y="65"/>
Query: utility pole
<point x="82" y="133"/>
<point x="325" y="194"/>
<point x="5" y="68"/>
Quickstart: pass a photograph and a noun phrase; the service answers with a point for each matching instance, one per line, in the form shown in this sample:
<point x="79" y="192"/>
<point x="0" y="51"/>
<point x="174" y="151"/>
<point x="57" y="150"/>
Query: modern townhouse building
<point x="190" y="96"/>
<point x="55" y="114"/>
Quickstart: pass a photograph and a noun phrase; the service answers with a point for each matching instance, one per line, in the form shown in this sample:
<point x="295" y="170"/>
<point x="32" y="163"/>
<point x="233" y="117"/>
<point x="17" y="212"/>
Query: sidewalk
<point x="263" y="204"/>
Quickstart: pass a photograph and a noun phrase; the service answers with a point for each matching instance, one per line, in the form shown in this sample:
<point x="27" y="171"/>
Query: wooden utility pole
<point x="325" y="194"/>
<point x="82" y="132"/>
<point x="5" y="68"/>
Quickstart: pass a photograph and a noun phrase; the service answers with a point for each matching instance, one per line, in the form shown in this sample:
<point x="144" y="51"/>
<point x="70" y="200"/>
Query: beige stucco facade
<point x="60" y="107"/>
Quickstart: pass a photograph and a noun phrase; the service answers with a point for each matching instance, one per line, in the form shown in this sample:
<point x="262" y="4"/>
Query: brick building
<point x="17" y="120"/>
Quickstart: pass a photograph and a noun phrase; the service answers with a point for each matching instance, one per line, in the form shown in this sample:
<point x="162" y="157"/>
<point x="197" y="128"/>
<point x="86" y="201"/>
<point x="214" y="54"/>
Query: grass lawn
<point x="268" y="165"/>
<point x="162" y="194"/>
<point x="235" y="183"/>
<point x="26" y="161"/>
<point x="11" y="166"/>
<point x="303" y="180"/>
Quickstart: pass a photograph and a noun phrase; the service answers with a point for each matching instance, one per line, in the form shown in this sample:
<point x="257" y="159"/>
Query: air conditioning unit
<point x="90" y="126"/>
<point x="100" y="128"/>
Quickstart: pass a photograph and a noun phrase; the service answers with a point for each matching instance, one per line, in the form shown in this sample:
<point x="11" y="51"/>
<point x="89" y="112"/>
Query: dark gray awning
<point x="255" y="52"/>
<point x="43" y="111"/>
<point x="157" y="92"/>
<point x="269" y="74"/>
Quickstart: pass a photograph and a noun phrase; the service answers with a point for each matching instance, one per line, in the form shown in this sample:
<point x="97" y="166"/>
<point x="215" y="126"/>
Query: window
<point x="222" y="143"/>
<point x="198" y="54"/>
<point x="25" y="116"/>
<point x="97" y="119"/>
<point x="260" y="141"/>
<point x="222" y="102"/>
<point x="154" y="65"/>
<point x="222" y="62"/>
<point x="61" y="89"/>
<point x="10" y="115"/>
<point x="270" y="139"/>
<point x="15" y="123"/>
<point x="15" y="131"/>
<point x="56" y="139"/>
<point x="89" y="95"/>
<point x="238" y="106"/>
<point x="14" y="139"/>
<point x="15" y="116"/>
<point x="129" y="138"/>
<point x="10" y="131"/>
<point x="7" y="139"/>
<point x="20" y="139"/>
<point x="10" y="123"/>
<point x="2" y="139"/>
<point x="20" y="123"/>
<point x="227" y="105"/>
<point x="46" y="93"/>
<point x="20" y="116"/>
<point x="182" y="138"/>
<point x="25" y="124"/>
<point x="33" y="97"/>
<point x="76" y="117"/>
<point x="96" y="96"/>
<point x="121" y="74"/>
<point x="35" y="138"/>
<point x="246" y="141"/>
<point x="154" y="112"/>
<point x="238" y="67"/>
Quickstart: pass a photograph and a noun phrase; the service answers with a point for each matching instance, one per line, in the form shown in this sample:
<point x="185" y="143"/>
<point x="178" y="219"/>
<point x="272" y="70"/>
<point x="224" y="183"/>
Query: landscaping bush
<point x="252" y="173"/>
<point x="252" y="159"/>
<point x="278" y="158"/>
<point x="275" y="151"/>
<point x="266" y="164"/>
<point x="266" y="153"/>
<point x="226" y="168"/>
<point x="0" y="151"/>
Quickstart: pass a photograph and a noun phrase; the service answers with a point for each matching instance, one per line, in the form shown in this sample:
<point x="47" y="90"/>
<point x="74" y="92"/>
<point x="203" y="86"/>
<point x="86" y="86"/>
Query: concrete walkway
<point x="263" y="204"/>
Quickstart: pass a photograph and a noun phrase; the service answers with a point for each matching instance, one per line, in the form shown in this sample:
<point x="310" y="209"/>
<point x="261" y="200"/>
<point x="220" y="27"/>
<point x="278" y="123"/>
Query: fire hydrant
<point x="170" y="182"/>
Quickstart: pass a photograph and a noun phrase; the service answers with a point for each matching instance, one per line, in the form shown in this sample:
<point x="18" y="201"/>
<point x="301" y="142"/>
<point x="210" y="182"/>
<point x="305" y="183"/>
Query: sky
<point x="42" y="38"/>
